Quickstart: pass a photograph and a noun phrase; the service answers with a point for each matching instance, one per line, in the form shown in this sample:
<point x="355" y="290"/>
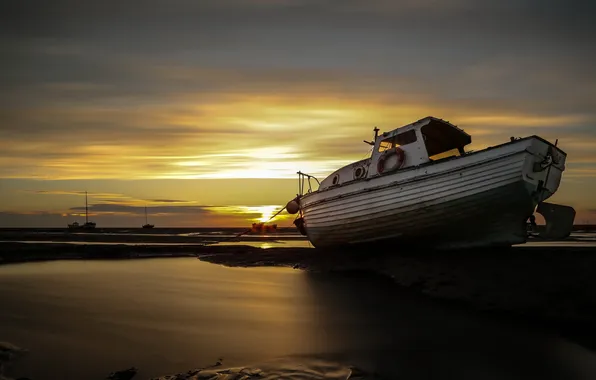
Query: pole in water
<point x="86" y="209"/>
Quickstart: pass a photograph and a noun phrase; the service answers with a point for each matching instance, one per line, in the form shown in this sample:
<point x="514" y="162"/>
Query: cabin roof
<point x="441" y="136"/>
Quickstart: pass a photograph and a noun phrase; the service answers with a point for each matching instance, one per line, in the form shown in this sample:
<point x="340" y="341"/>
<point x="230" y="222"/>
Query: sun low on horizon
<point x="160" y="107"/>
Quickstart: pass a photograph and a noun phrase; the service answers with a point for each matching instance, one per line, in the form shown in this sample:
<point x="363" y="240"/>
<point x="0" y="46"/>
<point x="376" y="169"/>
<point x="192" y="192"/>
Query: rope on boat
<point x="248" y="230"/>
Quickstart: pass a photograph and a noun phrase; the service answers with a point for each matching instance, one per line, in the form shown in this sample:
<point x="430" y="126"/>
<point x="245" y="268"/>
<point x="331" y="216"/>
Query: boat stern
<point x="543" y="168"/>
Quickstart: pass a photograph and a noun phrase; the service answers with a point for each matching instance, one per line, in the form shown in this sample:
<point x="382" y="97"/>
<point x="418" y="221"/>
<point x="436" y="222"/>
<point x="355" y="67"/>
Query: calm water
<point x="84" y="319"/>
<point x="216" y="237"/>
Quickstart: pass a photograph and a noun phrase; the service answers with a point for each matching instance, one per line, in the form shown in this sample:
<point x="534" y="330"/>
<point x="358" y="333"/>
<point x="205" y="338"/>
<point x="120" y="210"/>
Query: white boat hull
<point x="481" y="199"/>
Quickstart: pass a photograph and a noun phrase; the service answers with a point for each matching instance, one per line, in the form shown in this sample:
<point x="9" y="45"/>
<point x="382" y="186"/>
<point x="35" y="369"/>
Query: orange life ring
<point x="401" y="158"/>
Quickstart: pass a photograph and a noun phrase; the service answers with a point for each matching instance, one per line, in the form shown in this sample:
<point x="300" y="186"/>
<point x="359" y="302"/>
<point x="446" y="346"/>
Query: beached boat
<point x="421" y="187"/>
<point x="88" y="225"/>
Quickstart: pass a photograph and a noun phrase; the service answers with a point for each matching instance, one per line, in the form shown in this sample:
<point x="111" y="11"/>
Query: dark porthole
<point x="359" y="172"/>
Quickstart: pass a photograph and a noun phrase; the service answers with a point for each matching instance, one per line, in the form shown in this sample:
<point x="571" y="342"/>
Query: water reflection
<point x="84" y="319"/>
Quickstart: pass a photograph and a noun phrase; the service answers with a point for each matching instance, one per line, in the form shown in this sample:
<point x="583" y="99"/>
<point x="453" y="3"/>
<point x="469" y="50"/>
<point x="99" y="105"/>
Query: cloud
<point x="580" y="172"/>
<point x="116" y="200"/>
<point x="168" y="201"/>
<point x="132" y="209"/>
<point x="30" y="219"/>
<point x="80" y="193"/>
<point x="270" y="138"/>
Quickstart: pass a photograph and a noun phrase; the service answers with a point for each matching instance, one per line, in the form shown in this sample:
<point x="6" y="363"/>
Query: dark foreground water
<point x="85" y="319"/>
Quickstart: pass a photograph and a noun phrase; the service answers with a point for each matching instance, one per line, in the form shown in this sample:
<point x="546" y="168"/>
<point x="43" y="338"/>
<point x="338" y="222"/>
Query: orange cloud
<point x="266" y="136"/>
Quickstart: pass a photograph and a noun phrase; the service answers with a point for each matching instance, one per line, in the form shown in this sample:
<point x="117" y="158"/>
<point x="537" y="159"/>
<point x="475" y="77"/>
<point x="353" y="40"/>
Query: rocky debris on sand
<point x="125" y="374"/>
<point x="288" y="368"/>
<point x="8" y="354"/>
<point x="9" y="351"/>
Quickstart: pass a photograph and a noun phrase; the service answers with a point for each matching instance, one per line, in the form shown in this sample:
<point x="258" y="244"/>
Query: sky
<point x="204" y="111"/>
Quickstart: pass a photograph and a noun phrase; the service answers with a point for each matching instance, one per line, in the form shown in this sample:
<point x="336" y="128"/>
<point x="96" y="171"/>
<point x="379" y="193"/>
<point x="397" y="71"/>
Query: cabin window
<point x="443" y="141"/>
<point x="404" y="138"/>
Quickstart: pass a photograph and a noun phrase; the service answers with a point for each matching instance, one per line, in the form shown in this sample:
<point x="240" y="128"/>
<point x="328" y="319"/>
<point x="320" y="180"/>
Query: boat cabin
<point x="422" y="142"/>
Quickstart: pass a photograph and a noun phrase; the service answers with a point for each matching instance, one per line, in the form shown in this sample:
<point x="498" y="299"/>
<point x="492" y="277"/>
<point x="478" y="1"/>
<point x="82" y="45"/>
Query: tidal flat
<point x="167" y="309"/>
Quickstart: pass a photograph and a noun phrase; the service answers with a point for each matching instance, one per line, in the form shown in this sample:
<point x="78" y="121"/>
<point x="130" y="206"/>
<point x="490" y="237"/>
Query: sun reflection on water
<point x="257" y="214"/>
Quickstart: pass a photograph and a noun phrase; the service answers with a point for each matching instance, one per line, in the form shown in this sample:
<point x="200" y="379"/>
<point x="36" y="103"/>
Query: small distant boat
<point x="147" y="225"/>
<point x="421" y="187"/>
<point x="88" y="225"/>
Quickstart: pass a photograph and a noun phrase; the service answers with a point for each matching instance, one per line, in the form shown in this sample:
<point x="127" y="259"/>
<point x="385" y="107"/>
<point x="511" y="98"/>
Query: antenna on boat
<point x="86" y="209"/>
<point x="376" y="134"/>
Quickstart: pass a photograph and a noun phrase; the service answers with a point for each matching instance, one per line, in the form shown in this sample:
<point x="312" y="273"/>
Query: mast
<point x="86" y="209"/>
<point x="146" y="215"/>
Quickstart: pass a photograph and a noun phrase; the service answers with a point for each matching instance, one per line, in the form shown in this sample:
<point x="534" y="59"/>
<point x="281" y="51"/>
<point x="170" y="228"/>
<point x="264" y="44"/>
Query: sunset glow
<point x="207" y="126"/>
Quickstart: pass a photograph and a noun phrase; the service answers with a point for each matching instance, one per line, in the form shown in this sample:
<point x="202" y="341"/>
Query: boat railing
<point x="303" y="181"/>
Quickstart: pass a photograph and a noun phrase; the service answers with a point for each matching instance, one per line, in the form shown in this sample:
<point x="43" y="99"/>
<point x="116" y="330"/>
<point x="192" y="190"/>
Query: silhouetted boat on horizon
<point x="420" y="187"/>
<point x="147" y="225"/>
<point x="88" y="225"/>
